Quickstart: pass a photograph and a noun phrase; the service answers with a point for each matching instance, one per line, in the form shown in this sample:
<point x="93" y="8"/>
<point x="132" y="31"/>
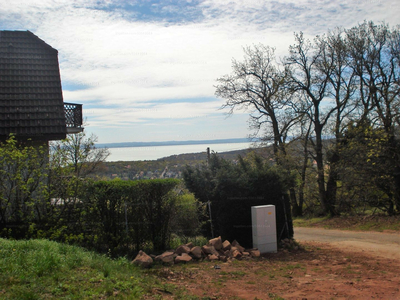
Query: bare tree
<point x="312" y="84"/>
<point x="78" y="153"/>
<point x="257" y="85"/>
<point x="334" y="63"/>
<point x="341" y="78"/>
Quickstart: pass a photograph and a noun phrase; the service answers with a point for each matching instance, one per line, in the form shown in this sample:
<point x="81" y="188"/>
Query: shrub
<point x="23" y="189"/>
<point x="186" y="222"/>
<point x="128" y="214"/>
<point x="233" y="188"/>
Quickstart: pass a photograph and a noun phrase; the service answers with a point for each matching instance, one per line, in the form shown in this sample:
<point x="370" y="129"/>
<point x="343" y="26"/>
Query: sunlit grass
<point x="359" y="222"/>
<point x="308" y="222"/>
<point x="38" y="269"/>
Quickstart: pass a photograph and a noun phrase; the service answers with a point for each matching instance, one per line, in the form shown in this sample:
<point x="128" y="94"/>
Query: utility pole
<point x="209" y="202"/>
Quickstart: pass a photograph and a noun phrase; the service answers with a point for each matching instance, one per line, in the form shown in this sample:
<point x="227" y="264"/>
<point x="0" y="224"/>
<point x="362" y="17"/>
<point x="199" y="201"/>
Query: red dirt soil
<point x="321" y="271"/>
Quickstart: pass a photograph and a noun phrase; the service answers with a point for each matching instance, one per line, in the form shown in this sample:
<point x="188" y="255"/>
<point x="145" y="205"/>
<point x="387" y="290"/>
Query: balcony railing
<point x="73" y="117"/>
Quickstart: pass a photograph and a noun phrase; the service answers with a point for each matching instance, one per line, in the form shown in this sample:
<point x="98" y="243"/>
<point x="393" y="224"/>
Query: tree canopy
<point x="322" y="87"/>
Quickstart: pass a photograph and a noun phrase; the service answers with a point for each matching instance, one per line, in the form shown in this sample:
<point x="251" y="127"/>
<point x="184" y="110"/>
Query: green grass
<point x="41" y="269"/>
<point x="177" y="241"/>
<point x="365" y="222"/>
<point x="308" y="222"/>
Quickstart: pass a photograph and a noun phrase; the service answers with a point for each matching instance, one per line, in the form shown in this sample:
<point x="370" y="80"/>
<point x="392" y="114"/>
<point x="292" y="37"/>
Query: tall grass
<point x="38" y="269"/>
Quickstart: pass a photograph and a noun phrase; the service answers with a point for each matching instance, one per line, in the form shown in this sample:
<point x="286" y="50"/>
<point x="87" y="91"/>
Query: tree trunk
<point x="331" y="191"/>
<point x="297" y="208"/>
<point x="326" y="209"/>
<point x="331" y="186"/>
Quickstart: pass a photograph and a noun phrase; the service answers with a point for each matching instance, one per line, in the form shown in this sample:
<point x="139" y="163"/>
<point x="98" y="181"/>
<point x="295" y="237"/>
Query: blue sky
<point x="145" y="70"/>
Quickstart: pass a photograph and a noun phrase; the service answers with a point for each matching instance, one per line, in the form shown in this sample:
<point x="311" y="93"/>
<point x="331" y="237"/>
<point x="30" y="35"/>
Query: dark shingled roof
<point x="31" y="102"/>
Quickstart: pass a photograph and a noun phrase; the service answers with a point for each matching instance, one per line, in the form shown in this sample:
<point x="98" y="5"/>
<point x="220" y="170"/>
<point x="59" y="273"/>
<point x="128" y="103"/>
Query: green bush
<point x="128" y="215"/>
<point x="233" y="188"/>
<point x="186" y="222"/>
<point x="39" y="200"/>
<point x="23" y="188"/>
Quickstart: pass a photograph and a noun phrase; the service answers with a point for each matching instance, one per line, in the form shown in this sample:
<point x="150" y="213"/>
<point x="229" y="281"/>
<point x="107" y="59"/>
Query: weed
<point x="274" y="296"/>
<point x="261" y="272"/>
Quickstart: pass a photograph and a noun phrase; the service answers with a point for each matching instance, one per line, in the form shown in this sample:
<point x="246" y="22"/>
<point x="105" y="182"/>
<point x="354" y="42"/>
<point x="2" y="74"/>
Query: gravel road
<point x="386" y="245"/>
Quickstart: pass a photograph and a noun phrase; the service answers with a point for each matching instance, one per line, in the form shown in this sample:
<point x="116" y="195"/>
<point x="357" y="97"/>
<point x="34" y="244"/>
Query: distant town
<point x="167" y="167"/>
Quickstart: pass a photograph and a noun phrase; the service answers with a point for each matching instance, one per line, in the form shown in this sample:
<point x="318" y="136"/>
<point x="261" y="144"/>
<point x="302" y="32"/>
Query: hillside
<point x="167" y="167"/>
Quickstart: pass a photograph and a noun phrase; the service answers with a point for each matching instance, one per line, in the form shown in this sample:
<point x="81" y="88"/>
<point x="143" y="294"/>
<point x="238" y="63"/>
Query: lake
<point x="153" y="153"/>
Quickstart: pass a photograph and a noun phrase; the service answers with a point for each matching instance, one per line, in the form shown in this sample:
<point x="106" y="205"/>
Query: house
<point x="31" y="100"/>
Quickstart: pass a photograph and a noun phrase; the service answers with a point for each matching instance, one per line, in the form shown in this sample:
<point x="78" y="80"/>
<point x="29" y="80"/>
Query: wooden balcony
<point x="73" y="117"/>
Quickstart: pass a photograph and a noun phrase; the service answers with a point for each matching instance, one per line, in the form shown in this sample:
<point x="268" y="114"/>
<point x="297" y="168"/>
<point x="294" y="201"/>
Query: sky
<point x="146" y="70"/>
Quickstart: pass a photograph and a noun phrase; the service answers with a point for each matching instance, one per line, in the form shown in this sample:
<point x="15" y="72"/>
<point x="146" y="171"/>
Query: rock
<point x="182" y="249"/>
<point x="223" y="258"/>
<point x="196" y="252"/>
<point x="255" y="253"/>
<point x="233" y="249"/>
<point x="236" y="254"/>
<point x="143" y="260"/>
<point x="226" y="245"/>
<point x="237" y="245"/>
<point x="183" y="258"/>
<point x="217" y="243"/>
<point x="190" y="245"/>
<point x="209" y="250"/>
<point x="167" y="257"/>
<point x="212" y="257"/>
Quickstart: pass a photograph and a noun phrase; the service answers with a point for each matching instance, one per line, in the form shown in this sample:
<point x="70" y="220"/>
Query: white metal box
<point x="264" y="228"/>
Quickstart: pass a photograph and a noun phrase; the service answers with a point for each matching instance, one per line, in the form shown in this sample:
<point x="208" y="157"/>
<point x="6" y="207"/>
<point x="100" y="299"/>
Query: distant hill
<point x="166" y="167"/>
<point x="173" y="143"/>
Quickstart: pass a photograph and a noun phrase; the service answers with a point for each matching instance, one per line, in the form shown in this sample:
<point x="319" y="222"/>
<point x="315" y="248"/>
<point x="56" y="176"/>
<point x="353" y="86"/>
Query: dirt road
<point x="385" y="245"/>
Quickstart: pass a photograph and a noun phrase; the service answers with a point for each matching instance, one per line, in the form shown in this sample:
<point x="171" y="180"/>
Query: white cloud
<point x="120" y="62"/>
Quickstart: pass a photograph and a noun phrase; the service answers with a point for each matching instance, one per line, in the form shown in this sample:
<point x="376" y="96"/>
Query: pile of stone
<point x="215" y="250"/>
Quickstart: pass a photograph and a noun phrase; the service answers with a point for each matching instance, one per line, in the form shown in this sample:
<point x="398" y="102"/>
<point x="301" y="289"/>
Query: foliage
<point x="233" y="188"/>
<point x="131" y="212"/>
<point x="117" y="217"/>
<point x="345" y="76"/>
<point x="23" y="189"/>
<point x="43" y="200"/>
<point x="188" y="213"/>
<point x="368" y="177"/>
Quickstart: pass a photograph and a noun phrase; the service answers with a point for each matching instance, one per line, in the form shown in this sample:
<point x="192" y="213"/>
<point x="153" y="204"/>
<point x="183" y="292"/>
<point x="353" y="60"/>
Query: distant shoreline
<point x="174" y="143"/>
